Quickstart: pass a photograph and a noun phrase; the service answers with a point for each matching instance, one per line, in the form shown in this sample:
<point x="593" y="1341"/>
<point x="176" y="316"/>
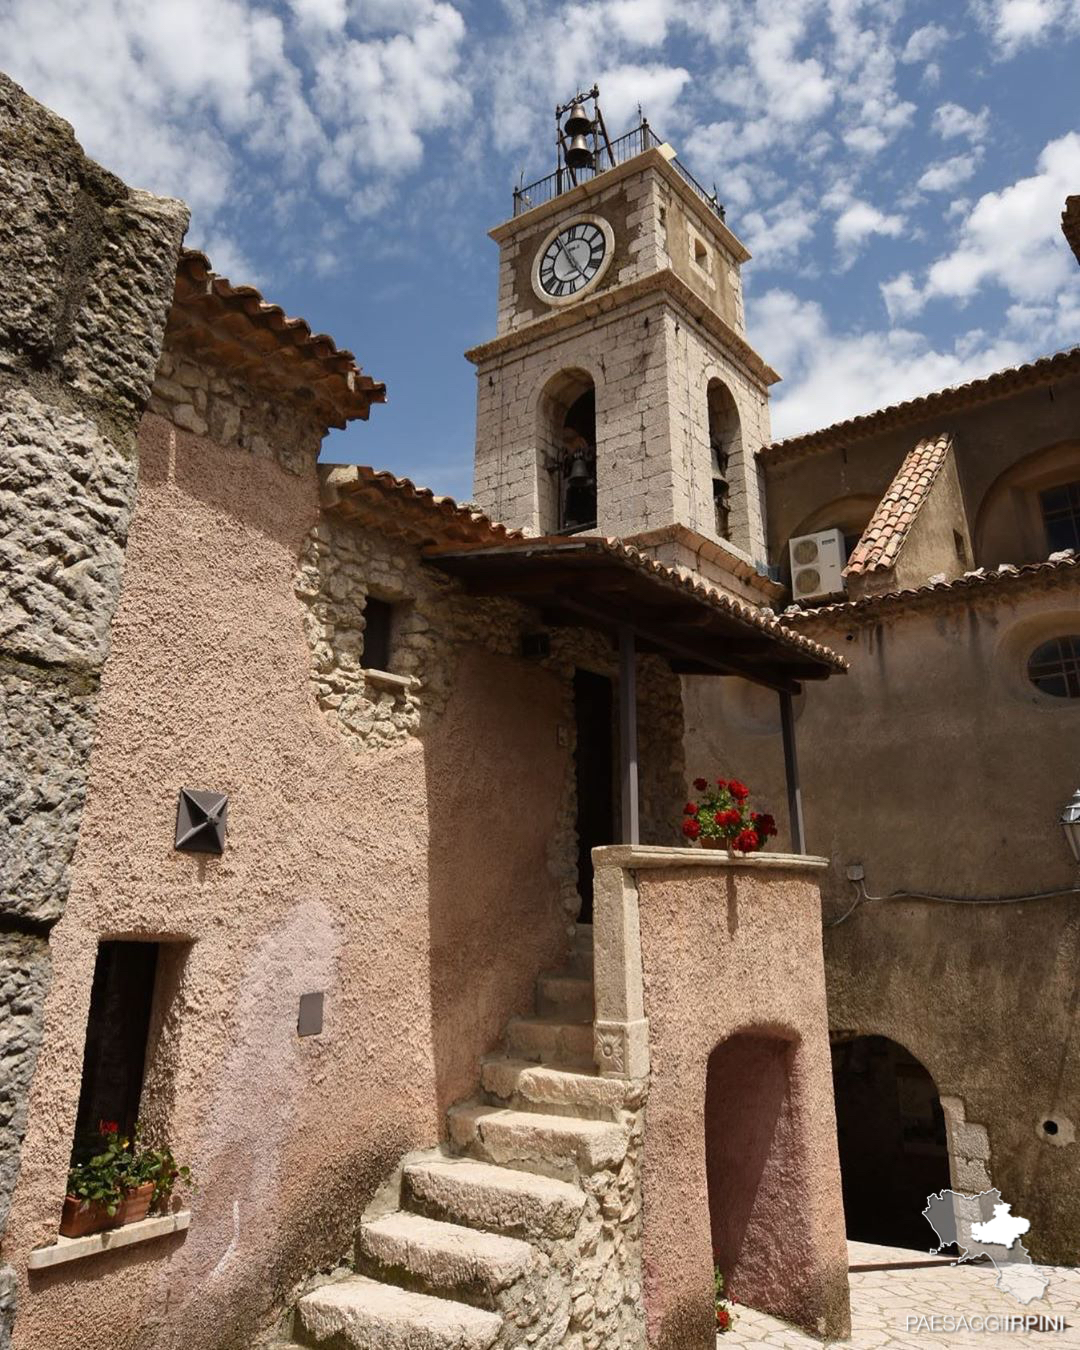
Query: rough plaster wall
<point x="937" y="766"/>
<point x="728" y="950"/>
<point x="86" y="275"/>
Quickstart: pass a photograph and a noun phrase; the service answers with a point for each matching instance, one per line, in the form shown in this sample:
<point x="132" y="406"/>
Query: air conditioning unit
<point x="817" y="565"/>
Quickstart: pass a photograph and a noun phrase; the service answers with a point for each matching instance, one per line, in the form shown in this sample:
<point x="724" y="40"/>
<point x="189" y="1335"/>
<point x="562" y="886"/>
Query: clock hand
<point x="569" y="257"/>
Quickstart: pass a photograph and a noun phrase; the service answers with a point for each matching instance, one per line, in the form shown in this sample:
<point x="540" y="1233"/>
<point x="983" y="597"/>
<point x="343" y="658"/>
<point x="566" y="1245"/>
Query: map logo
<point x="984" y="1225"/>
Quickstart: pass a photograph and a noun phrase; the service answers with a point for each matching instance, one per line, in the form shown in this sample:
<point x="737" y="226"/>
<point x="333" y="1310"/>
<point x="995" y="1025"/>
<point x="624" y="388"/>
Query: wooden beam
<point x="791" y="773"/>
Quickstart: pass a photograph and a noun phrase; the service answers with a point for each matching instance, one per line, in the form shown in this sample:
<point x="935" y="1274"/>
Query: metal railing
<point x="634" y="142"/>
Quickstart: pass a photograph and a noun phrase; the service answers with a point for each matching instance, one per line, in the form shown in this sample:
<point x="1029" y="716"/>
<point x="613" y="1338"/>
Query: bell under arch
<point x="566" y="463"/>
<point x="725" y="449"/>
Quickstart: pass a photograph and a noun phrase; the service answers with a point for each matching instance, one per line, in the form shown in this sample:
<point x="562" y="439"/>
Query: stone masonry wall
<point x="435" y="621"/>
<point x="86" y="275"/>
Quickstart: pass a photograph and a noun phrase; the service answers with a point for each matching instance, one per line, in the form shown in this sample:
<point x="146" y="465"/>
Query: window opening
<point x="378" y="630"/>
<point x="1054" y="667"/>
<point x="117" y="1031"/>
<point x="577" y="496"/>
<point x="1061" y="516"/>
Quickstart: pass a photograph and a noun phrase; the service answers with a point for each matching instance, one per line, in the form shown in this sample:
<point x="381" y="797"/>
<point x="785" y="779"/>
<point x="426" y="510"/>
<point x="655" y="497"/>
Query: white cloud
<point x="1012" y="238"/>
<point x="1017" y="23"/>
<point x="947" y="174"/>
<point x="952" y="120"/>
<point x="829" y="376"/>
<point x="857" y="223"/>
<point x="924" y="42"/>
<point x="902" y="297"/>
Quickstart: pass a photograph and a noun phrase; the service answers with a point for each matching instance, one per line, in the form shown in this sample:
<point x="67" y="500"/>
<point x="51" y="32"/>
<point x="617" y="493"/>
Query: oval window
<point x="1054" y="666"/>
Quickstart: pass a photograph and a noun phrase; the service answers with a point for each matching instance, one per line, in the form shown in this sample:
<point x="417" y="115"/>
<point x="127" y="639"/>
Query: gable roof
<point x="883" y="538"/>
<point x="235" y="328"/>
<point x="999" y="385"/>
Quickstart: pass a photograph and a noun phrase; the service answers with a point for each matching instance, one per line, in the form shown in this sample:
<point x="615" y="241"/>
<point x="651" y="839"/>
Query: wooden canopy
<point x="598" y="583"/>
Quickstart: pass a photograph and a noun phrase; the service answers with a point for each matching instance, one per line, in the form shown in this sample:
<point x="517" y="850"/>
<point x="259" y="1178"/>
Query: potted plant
<point x="722" y="818"/>
<point x="118" y="1183"/>
<point x="725" y="1313"/>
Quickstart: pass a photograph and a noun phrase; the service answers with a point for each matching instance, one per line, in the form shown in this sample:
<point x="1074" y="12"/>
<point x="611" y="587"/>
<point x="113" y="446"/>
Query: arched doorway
<point x="893" y="1147"/>
<point x="725" y="446"/>
<point x="758" y="1169"/>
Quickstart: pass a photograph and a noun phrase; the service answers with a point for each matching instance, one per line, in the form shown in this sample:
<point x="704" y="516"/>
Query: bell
<point x="579" y="471"/>
<point x="579" y="122"/>
<point x="579" y="156"/>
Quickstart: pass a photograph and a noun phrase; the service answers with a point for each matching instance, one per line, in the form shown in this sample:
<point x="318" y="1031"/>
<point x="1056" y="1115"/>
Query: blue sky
<point x="897" y="168"/>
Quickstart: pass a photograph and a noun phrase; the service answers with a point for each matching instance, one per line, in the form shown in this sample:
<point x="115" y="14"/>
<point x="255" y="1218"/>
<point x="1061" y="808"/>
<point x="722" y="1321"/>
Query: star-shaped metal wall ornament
<point x="200" y="821"/>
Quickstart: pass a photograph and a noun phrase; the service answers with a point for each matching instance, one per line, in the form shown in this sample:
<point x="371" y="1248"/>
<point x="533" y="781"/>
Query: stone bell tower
<point x="620" y="395"/>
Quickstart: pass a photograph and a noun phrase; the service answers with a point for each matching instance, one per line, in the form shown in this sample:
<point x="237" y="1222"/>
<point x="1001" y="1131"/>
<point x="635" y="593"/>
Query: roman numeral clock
<point x="572" y="259"/>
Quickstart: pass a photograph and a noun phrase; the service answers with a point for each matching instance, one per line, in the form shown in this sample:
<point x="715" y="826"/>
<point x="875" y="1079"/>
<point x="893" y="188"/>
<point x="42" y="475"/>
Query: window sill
<point x="65" y="1249"/>
<point x="385" y="679"/>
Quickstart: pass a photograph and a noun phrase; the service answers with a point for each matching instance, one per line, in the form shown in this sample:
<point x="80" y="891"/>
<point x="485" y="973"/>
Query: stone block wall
<point x="87" y="268"/>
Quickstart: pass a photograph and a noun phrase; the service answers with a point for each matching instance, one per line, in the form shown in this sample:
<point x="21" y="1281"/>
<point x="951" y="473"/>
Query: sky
<point x="897" y="168"/>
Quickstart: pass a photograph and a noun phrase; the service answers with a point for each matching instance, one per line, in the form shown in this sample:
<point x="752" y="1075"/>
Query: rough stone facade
<point x="86" y="274"/>
<point x="649" y="338"/>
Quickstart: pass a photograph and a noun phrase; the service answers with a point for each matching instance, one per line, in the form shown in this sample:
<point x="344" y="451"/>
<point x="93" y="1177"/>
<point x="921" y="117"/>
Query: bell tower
<point x="619" y="395"/>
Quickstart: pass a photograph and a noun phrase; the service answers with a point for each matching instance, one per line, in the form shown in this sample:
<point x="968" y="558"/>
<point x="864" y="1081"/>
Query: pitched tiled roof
<point x="1059" y="569"/>
<point x="234" y="327"/>
<point x="1000" y="385"/>
<point x="351" y="490"/>
<point x="883" y="538"/>
<point x="1070" y="224"/>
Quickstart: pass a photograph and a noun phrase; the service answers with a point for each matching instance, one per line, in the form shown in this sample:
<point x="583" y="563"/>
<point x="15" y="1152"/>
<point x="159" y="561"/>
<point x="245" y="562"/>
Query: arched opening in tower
<point x="893" y="1147"/>
<point x="725" y="445"/>
<point x="566" y="467"/>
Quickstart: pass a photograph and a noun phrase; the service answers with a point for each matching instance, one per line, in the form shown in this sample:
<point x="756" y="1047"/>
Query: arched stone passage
<point x="758" y="1169"/>
<point x="566" y="467"/>
<point x="893" y="1146"/>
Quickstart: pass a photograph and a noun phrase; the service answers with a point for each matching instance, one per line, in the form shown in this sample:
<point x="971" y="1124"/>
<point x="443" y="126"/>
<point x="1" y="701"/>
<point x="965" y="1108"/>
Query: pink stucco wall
<point x="397" y="882"/>
<point x="733" y="970"/>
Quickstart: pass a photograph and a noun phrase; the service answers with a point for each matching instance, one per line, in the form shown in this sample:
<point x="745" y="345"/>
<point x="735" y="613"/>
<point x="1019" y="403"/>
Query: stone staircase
<point x="523" y="1233"/>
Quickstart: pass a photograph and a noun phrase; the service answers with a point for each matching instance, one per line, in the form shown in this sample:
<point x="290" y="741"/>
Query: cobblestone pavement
<point x="884" y="1297"/>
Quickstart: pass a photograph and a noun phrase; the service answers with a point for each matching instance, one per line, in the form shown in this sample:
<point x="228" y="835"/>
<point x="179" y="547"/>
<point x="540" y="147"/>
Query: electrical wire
<point x="862" y="898"/>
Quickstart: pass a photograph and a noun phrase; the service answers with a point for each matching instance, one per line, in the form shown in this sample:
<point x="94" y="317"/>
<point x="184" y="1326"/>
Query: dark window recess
<point x="116" y="1033"/>
<point x="1054" y="667"/>
<point x="378" y="623"/>
<point x="959" y="546"/>
<point x="851" y="543"/>
<point x="720" y="490"/>
<point x="1061" y="516"/>
<point x="577" y="468"/>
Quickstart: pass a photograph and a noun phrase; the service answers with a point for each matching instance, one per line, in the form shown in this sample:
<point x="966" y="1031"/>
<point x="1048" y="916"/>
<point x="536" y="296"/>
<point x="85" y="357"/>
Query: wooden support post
<point x="791" y="772"/>
<point x="628" y="753"/>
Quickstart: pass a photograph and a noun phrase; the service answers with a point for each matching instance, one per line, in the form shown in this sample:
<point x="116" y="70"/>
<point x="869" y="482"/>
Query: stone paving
<point x="882" y="1298"/>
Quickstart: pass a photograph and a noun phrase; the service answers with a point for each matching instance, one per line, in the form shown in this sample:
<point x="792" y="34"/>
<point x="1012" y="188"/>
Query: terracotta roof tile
<point x="999" y="385"/>
<point x="235" y="328"/>
<point x="1058" y="569"/>
<point x="1070" y="224"/>
<point x="884" y="537"/>
<point x="350" y="490"/>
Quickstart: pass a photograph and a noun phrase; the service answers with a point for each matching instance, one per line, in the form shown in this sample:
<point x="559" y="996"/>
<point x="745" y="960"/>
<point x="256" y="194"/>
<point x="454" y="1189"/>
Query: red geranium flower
<point x="746" y="841"/>
<point x="700" y="784"/>
<point x="691" y="828"/>
<point x="721" y="783"/>
<point x="108" y="1127"/>
<point x="690" y="809"/>
<point x="723" y="1319"/>
<point x="725" y="819"/>
<point x="765" y="824"/>
<point x="738" y="790"/>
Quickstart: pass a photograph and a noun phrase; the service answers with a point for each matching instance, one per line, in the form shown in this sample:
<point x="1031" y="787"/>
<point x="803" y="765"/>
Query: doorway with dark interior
<point x="893" y="1148"/>
<point x="595" y="775"/>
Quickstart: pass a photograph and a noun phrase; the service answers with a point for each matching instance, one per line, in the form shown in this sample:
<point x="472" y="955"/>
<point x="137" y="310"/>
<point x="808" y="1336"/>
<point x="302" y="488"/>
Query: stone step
<point x="442" y="1258"/>
<point x="551" y="1040"/>
<point x="497" y="1199"/>
<point x="554" y="1146"/>
<point x="528" y="1086"/>
<point x="566" y="995"/>
<point x="366" y="1315"/>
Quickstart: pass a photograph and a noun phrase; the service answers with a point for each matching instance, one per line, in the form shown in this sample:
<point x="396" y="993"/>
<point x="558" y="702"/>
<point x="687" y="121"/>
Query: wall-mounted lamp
<point x="1070" y="823"/>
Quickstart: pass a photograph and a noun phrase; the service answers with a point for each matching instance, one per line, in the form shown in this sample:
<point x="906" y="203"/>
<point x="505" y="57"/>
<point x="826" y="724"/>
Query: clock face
<point x="572" y="259"/>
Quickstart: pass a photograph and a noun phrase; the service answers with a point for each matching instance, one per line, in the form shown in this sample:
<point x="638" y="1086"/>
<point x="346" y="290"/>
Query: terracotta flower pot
<point x="81" y="1217"/>
<point x="718" y="844"/>
<point x="135" y="1204"/>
